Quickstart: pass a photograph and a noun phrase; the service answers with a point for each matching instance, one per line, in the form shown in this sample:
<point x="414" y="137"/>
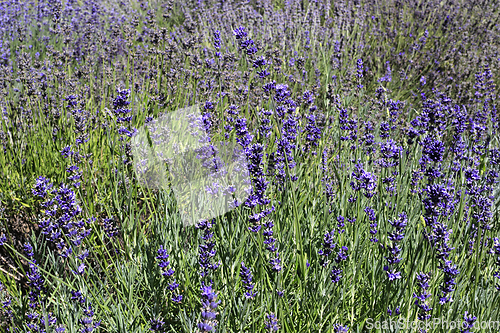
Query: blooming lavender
<point x="217" y="42"/>
<point x="496" y="253"/>
<point x="447" y="287"/>
<point x="388" y="76"/>
<point x="36" y="282"/>
<point x="373" y="223"/>
<point x="265" y="126"/>
<point x="168" y="272"/>
<point x="421" y="300"/>
<point x="396" y="312"/>
<point x="38" y="294"/>
<point x="208" y="310"/>
<point x="123" y="120"/>
<point x="88" y="323"/>
<point x="207" y="249"/>
<point x="271" y="323"/>
<point x="389" y="152"/>
<point x="412" y="101"/>
<point x="468" y="322"/>
<point x="338" y="328"/>
<point x="62" y="219"/>
<point x="349" y="126"/>
<point x="246" y="277"/>
<point x="6" y="313"/>
<point x="359" y="72"/>
<point x="396" y="236"/>
<point x="110" y="228"/>
<point x="157" y="325"/>
<point x="313" y="133"/>
<point x="365" y="181"/>
<point x="327" y="248"/>
<point x="41" y="187"/>
<point x="336" y="272"/>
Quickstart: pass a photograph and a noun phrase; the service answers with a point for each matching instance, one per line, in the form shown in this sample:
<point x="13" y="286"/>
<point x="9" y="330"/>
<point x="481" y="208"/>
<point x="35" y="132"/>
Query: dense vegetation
<point x="370" y="130"/>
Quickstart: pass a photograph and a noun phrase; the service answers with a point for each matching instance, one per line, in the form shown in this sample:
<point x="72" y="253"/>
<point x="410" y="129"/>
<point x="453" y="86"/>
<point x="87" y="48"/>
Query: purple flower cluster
<point x="417" y="129"/>
<point x="271" y="323"/>
<point x="349" y="126"/>
<point x="157" y="325"/>
<point x="38" y="294"/>
<point x="6" y="312"/>
<point x="61" y="220"/>
<point x="338" y="328"/>
<point x="373" y="223"/>
<point x="168" y="272"/>
<point x="422" y="301"/>
<point x="110" y="228"/>
<point x="313" y="133"/>
<point x="447" y="287"/>
<point x="394" y="256"/>
<point x="365" y="181"/>
<point x="327" y="249"/>
<point x="328" y="246"/>
<point x="123" y="119"/>
<point x="468" y="322"/>
<point x="87" y="322"/>
<point x="246" y="277"/>
<point x="359" y="72"/>
<point x="208" y="310"/>
<point x="496" y="253"/>
<point x="247" y="45"/>
<point x="207" y="249"/>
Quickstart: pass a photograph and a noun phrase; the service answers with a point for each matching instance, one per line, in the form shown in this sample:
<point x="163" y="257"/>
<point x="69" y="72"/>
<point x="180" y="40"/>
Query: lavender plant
<point x="370" y="132"/>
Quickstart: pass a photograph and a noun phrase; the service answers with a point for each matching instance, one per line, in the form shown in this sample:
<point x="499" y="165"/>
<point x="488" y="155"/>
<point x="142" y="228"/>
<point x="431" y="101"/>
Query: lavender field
<point x="365" y="134"/>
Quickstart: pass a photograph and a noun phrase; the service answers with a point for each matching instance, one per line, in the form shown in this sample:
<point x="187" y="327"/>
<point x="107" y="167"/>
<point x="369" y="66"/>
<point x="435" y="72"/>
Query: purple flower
<point x="217" y="40"/>
<point x="271" y="323"/>
<point x="421" y="299"/>
<point x="338" y="328"/>
<point x="87" y="321"/>
<point x="336" y="274"/>
<point x="395" y="237"/>
<point x="359" y="72"/>
<point x="168" y="272"/>
<point x="468" y="322"/>
<point x="206" y="250"/>
<point x="396" y="312"/>
<point x="328" y="246"/>
<point x="388" y="75"/>
<point x="209" y="307"/>
<point x="496" y="252"/>
<point x="392" y="274"/>
<point x="340" y="224"/>
<point x="450" y="272"/>
<point x="433" y="150"/>
<point x="275" y="263"/>
<point x="342" y="255"/>
<point x="389" y="152"/>
<point x="373" y="224"/>
<point x="246" y="277"/>
<point x="61" y="219"/>
<point x="80" y="270"/>
<point x="240" y="33"/>
<point x="77" y="296"/>
<point x="42" y="186"/>
<point x="364" y="180"/>
<point x="110" y="228"/>
<point x="157" y="325"/>
<point x="312" y="131"/>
